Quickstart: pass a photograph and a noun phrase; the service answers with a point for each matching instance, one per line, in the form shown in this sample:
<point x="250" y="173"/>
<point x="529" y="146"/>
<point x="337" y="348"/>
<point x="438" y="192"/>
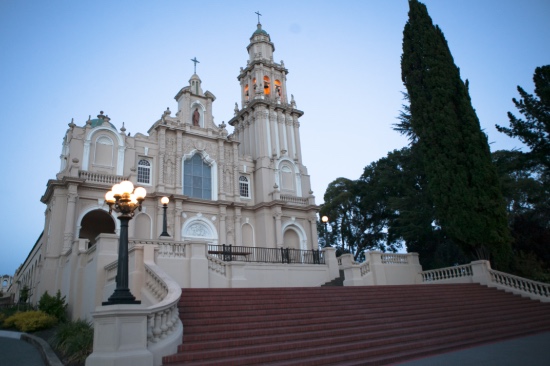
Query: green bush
<point x="30" y="321"/>
<point x="74" y="340"/>
<point x="53" y="305"/>
<point x="5" y="313"/>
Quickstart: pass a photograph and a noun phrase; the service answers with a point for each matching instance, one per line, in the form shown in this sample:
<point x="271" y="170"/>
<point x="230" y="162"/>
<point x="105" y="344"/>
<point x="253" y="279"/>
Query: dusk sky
<point x="70" y="59"/>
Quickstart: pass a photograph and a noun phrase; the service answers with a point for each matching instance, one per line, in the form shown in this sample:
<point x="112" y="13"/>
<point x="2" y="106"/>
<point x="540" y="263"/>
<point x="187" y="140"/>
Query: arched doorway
<point x="94" y="223"/>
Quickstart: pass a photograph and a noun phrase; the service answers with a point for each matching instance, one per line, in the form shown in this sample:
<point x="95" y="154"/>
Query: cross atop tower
<point x="195" y="61"/>
<point x="259" y="15"/>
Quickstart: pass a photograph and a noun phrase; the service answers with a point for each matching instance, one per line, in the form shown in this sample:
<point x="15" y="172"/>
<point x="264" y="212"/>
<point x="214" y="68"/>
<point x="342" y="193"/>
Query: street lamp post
<point x="324" y="219"/>
<point x="164" y="201"/>
<point x="122" y="198"/>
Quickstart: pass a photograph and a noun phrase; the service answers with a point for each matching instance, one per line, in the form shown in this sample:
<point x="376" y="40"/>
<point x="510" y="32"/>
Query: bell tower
<point x="267" y="125"/>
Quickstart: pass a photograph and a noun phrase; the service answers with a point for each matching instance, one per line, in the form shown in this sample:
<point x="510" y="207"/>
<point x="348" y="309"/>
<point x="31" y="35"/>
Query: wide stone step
<point x="253" y="308"/>
<point x="288" y="315"/>
<point x="346" y="351"/>
<point x="346" y="326"/>
<point x="350" y="334"/>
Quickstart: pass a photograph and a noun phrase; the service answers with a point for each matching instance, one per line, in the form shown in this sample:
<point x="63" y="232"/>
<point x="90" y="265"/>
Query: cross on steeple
<point x="259" y="15"/>
<point x="195" y="61"/>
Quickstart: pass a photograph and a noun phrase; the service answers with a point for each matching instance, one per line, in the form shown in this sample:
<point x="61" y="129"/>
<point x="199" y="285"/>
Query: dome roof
<point x="98" y="122"/>
<point x="260" y="31"/>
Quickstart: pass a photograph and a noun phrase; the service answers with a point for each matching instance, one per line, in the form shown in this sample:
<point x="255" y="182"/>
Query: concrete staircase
<point x="375" y="325"/>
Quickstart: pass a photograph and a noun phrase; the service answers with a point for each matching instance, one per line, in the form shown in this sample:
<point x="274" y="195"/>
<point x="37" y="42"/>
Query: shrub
<point x="74" y="340"/>
<point x="30" y="321"/>
<point x="53" y="305"/>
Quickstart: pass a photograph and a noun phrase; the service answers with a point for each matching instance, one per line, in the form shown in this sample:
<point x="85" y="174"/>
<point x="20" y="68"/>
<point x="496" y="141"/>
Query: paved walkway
<point x="530" y="350"/>
<point x="16" y="352"/>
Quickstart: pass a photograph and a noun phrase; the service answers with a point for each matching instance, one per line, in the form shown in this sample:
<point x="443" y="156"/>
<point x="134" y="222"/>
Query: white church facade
<point x="249" y="189"/>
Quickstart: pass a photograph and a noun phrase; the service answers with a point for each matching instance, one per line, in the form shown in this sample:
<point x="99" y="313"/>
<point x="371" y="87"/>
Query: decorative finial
<point x="71" y="125"/>
<point x="123" y="129"/>
<point x="259" y="15"/>
<point x="195" y="61"/>
<point x="89" y="121"/>
<point x="100" y="115"/>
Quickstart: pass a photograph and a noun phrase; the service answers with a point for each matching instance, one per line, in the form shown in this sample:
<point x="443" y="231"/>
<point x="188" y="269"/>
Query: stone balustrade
<point x="102" y="178"/>
<point x="448" y="273"/>
<point x="216" y="265"/>
<point x="534" y="289"/>
<point x="294" y="199"/>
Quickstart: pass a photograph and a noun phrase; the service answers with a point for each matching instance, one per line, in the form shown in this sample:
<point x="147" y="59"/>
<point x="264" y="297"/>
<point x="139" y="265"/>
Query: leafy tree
<point x="528" y="202"/>
<point x="534" y="130"/>
<point x="462" y="180"/>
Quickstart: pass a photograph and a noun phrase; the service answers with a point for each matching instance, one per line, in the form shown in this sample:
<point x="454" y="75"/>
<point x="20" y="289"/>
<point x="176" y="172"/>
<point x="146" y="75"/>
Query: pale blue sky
<point x="70" y="59"/>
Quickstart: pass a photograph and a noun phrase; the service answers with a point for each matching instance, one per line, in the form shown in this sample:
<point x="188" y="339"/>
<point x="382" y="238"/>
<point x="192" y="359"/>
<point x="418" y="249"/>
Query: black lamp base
<point x="123" y="297"/>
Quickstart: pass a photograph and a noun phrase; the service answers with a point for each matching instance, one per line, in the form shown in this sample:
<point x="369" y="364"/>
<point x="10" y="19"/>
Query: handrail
<point x="163" y="317"/>
<point x="522" y="284"/>
<point x="394" y="258"/>
<point x="229" y="253"/>
<point x="441" y="274"/>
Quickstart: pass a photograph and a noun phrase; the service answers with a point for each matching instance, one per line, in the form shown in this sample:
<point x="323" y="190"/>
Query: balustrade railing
<point x="164" y="316"/>
<point x="228" y="253"/>
<point x="394" y="258"/>
<point x="93" y="177"/>
<point x="294" y="199"/>
<point x="216" y="265"/>
<point x="521" y="284"/>
<point x="447" y="273"/>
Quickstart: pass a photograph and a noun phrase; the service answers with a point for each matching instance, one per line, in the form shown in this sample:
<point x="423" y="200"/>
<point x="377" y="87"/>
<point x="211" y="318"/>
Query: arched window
<point x="246" y="96"/>
<point x="244" y="186"/>
<point x="278" y="89"/>
<point x="197" y="178"/>
<point x="287" y="178"/>
<point x="103" y="151"/>
<point x="144" y="172"/>
<point x="267" y="88"/>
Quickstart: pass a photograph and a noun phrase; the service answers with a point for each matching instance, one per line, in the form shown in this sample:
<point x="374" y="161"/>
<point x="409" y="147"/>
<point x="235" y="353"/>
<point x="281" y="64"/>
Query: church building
<point x="249" y="188"/>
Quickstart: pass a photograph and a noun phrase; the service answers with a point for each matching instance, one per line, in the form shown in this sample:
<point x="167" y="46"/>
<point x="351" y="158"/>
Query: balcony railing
<point x="229" y="253"/>
<point x="92" y="177"/>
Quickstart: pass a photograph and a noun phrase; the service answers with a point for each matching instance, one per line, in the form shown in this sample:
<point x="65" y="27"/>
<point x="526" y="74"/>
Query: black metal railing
<point x="228" y="253"/>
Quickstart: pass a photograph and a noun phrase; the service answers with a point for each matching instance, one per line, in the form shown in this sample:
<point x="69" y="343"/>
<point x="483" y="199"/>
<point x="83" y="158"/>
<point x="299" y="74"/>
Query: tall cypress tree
<point x="456" y="158"/>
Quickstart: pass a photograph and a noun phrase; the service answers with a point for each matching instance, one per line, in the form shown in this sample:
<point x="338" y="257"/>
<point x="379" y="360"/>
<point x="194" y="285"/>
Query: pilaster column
<point x="297" y="142"/>
<point x="179" y="153"/>
<point x="278" y="226"/>
<point x="282" y="134"/>
<point x="223" y="230"/>
<point x="69" y="218"/>
<point x="177" y="222"/>
<point x="290" y="141"/>
<point x="313" y="227"/>
<point x="238" y="231"/>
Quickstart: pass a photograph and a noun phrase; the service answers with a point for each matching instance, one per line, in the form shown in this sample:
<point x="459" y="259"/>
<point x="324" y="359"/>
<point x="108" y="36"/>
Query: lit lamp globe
<point x="140" y="193"/>
<point x="324" y="219"/>
<point x="164" y="200"/>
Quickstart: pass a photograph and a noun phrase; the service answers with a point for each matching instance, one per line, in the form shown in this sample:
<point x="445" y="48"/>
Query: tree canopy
<point x="534" y="130"/>
<point x="462" y="180"/>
